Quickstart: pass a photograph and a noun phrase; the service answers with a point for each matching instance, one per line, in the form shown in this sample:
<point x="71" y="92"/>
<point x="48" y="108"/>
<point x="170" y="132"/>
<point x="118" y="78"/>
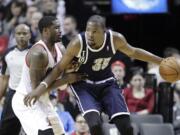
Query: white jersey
<point x="12" y="65"/>
<point x="25" y="83"/>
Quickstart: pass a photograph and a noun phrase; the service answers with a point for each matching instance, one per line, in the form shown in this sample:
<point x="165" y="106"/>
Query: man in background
<point x="70" y="29"/>
<point x="12" y="63"/>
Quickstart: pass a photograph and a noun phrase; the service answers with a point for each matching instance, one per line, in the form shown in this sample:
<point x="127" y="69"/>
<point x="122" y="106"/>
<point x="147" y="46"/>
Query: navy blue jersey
<point x="95" y="62"/>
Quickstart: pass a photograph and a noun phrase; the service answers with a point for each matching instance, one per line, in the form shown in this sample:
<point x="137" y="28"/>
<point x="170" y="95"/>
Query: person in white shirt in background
<point x="12" y="63"/>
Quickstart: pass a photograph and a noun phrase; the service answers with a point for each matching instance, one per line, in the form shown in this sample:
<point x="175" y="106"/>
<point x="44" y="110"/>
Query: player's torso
<point x="95" y="62"/>
<point x="25" y="83"/>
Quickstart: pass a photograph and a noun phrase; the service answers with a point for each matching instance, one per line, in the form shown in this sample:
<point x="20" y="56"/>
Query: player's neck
<point x="49" y="45"/>
<point x="100" y="43"/>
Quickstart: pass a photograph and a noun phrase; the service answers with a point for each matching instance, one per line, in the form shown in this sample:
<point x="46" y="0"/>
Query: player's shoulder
<point x="37" y="51"/>
<point x="75" y="42"/>
<point x="117" y="34"/>
<point x="118" y="37"/>
<point x="38" y="47"/>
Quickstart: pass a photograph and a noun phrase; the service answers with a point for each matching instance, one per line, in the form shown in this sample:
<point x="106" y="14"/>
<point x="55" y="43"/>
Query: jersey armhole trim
<point x="26" y="59"/>
<point x="58" y="52"/>
<point x="112" y="43"/>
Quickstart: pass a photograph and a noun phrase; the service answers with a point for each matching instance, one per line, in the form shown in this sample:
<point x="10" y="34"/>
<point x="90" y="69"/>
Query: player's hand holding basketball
<point x="169" y="69"/>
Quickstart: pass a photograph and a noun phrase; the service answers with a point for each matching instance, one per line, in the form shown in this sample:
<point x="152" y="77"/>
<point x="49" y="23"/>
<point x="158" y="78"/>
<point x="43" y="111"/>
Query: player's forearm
<point x="53" y="75"/>
<point x="143" y="55"/>
<point x="58" y="83"/>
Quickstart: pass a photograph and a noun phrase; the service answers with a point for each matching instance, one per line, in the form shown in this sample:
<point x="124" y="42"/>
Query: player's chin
<point x="91" y="44"/>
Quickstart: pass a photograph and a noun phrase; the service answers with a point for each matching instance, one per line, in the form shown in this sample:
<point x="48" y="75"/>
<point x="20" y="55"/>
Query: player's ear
<point x="46" y="30"/>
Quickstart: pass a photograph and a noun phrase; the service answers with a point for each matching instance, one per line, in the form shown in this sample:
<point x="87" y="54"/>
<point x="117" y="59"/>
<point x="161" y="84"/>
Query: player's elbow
<point x="132" y="52"/>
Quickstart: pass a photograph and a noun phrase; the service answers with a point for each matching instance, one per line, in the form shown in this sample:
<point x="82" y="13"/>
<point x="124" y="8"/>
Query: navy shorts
<point x="106" y="97"/>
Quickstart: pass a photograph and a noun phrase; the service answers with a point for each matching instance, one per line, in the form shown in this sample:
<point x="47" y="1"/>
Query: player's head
<point x="118" y="69"/>
<point x="49" y="28"/>
<point x="137" y="80"/>
<point x="70" y="24"/>
<point x="95" y="29"/>
<point x="29" y="13"/>
<point x="81" y="125"/>
<point x="22" y="34"/>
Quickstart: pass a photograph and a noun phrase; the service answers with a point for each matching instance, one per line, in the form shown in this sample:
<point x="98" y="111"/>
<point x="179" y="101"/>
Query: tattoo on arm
<point x="38" y="62"/>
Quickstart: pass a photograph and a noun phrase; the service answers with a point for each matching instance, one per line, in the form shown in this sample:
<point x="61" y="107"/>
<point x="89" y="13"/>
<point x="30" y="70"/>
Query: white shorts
<point x="35" y="118"/>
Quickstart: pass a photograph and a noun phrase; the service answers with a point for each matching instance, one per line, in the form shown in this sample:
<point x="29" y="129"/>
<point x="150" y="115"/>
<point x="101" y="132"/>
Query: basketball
<point x="169" y="69"/>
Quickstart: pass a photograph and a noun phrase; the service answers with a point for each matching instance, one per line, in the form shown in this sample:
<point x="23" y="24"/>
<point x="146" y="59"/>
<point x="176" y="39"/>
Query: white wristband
<point x="45" y="84"/>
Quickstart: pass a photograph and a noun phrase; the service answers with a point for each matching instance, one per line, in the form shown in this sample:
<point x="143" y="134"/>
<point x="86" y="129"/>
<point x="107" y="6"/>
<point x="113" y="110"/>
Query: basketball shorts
<point x="37" y="117"/>
<point x="106" y="97"/>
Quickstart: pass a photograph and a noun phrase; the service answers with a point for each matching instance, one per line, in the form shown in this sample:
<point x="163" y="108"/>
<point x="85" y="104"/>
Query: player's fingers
<point x="83" y="76"/>
<point x="25" y="100"/>
<point x="34" y="101"/>
<point x="30" y="101"/>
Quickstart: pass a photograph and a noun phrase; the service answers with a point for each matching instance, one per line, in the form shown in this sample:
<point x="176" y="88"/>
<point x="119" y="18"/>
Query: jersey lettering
<point x="100" y="64"/>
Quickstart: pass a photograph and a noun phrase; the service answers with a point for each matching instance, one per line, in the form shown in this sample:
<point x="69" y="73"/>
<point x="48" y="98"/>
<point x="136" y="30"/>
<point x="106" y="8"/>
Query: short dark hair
<point x="136" y="71"/>
<point x="98" y="19"/>
<point x="45" y="22"/>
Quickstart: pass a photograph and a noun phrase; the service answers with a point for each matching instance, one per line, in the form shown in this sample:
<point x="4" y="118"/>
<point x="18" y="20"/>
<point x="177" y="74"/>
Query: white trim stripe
<point x="81" y="43"/>
<point x="77" y="97"/>
<point x="125" y="102"/>
<point x="97" y="50"/>
<point x="90" y="110"/>
<point x="86" y="54"/>
<point x="120" y="113"/>
<point x="112" y="43"/>
<point x="99" y="82"/>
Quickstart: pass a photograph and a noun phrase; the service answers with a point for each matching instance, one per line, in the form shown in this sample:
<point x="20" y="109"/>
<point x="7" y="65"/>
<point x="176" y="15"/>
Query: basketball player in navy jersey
<point x="94" y="49"/>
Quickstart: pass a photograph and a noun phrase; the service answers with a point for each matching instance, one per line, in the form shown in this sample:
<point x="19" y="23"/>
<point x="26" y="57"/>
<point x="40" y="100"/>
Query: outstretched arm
<point x="121" y="44"/>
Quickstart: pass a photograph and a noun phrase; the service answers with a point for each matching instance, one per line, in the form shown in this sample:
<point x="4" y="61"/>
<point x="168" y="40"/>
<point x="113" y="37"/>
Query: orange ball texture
<point x="169" y="69"/>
